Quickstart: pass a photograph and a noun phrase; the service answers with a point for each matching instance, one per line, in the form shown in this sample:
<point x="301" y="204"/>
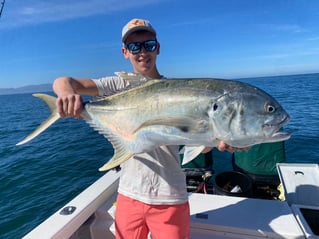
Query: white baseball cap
<point x="136" y="25"/>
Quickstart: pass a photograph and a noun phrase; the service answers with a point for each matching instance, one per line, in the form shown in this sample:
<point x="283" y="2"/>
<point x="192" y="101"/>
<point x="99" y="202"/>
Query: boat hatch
<point x="301" y="185"/>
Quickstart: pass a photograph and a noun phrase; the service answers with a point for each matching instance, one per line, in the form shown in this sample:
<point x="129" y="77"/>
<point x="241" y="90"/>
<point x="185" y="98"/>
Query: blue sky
<point x="42" y="40"/>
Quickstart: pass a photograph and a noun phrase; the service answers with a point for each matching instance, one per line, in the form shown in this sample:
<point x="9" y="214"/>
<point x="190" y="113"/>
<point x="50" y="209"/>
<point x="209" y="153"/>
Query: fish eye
<point x="215" y="106"/>
<point x="270" y="108"/>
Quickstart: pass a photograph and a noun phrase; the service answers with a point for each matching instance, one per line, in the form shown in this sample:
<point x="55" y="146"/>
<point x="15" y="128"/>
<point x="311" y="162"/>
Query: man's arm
<point x="69" y="91"/>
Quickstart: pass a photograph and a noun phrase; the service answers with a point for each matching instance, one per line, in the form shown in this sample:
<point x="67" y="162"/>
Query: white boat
<point x="91" y="213"/>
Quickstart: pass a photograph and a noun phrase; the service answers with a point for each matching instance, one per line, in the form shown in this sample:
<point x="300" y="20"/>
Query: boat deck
<point x="212" y="216"/>
<point x="215" y="216"/>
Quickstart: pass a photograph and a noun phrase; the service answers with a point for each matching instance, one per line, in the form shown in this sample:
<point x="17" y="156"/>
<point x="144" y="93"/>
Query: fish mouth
<point x="280" y="136"/>
<point x="273" y="130"/>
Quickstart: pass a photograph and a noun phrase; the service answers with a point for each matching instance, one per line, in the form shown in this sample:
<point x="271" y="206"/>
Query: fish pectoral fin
<point x="54" y="116"/>
<point x="182" y="150"/>
<point x="191" y="152"/>
<point x="183" y="123"/>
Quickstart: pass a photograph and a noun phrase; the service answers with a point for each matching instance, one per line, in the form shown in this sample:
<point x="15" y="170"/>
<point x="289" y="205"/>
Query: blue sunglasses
<point x="136" y="47"/>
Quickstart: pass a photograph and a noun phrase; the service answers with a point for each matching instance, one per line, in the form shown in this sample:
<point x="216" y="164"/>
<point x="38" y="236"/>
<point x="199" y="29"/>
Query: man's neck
<point x="154" y="74"/>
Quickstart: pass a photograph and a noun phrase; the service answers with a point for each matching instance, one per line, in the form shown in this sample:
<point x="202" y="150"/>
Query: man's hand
<point x="70" y="105"/>
<point x="225" y="147"/>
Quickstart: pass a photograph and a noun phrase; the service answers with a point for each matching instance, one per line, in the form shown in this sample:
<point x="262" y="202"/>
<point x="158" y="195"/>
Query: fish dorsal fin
<point x="121" y="153"/>
<point x="132" y="77"/>
<point x="54" y="116"/>
<point x="183" y="123"/>
<point x="133" y="81"/>
<point x="191" y="152"/>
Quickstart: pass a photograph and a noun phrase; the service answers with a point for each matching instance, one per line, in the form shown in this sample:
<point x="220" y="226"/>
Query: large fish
<point x="191" y="112"/>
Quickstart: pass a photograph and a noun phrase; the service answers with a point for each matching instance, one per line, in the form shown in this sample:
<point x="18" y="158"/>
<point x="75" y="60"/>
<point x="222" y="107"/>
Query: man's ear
<point x="158" y="48"/>
<point x="125" y="53"/>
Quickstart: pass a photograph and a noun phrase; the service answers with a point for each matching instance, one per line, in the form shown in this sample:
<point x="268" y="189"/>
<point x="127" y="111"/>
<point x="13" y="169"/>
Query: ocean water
<point x="38" y="178"/>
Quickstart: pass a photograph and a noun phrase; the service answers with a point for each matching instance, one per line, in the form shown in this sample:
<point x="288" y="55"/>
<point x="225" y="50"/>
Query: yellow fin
<point x="116" y="160"/>
<point x="54" y="116"/>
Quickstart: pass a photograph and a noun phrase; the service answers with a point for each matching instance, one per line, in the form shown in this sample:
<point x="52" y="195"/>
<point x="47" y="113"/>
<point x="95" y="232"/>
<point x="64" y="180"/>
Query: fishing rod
<point x="2" y="5"/>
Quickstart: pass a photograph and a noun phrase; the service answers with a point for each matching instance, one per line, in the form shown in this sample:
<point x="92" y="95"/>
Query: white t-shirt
<point x="155" y="177"/>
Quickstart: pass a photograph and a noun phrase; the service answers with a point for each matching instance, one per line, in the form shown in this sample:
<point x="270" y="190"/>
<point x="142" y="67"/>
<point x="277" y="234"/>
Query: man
<point x="152" y="190"/>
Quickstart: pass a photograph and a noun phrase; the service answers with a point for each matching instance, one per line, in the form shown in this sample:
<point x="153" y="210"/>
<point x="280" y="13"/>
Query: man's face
<point x="143" y="62"/>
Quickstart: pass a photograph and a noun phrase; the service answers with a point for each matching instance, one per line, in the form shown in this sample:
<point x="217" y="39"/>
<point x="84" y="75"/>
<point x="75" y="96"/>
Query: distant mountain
<point x="26" y="89"/>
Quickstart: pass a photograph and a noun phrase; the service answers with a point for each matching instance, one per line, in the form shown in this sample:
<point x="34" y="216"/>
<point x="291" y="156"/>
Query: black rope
<point x="2" y="5"/>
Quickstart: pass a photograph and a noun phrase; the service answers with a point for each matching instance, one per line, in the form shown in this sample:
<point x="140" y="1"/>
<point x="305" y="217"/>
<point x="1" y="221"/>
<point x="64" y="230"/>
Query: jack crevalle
<point x="197" y="113"/>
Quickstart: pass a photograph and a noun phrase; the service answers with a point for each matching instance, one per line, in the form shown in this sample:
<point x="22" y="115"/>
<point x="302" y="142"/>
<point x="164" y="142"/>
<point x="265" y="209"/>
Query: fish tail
<point x="54" y="116"/>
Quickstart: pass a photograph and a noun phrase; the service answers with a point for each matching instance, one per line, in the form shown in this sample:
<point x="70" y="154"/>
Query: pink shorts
<point x="134" y="220"/>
